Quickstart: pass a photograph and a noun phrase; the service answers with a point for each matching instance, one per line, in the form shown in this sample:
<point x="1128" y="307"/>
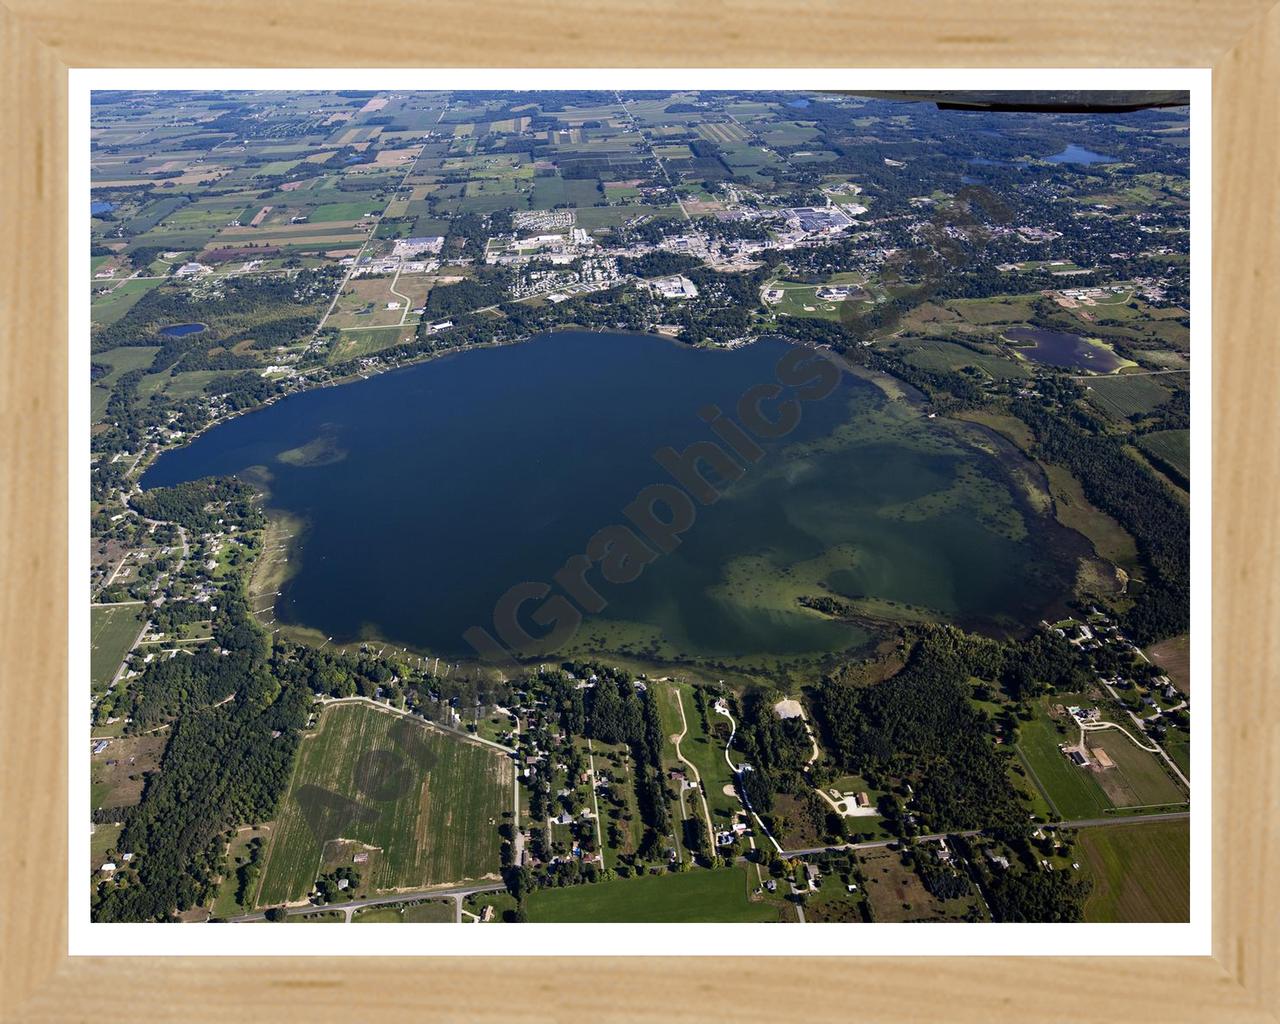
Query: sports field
<point x="428" y="804"/>
<point x="112" y="630"/>
<point x="1141" y="873"/>
<point x="696" y="896"/>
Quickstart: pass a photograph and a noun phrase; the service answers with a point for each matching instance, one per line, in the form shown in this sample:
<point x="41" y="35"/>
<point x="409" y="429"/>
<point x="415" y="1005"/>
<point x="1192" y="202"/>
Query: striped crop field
<point x="425" y="804"/>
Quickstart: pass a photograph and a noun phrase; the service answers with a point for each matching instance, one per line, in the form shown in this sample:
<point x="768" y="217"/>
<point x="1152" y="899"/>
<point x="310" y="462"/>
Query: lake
<point x="1071" y="351"/>
<point x="1074" y="154"/>
<point x="98" y="206"/>
<point x="428" y="491"/>
<point x="181" y="330"/>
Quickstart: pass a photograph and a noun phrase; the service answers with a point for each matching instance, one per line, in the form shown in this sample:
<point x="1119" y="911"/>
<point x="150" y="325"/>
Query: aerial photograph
<point x="670" y="506"/>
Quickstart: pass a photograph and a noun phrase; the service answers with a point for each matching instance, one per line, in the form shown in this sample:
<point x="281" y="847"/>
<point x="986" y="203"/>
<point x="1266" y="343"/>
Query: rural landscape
<point x="672" y="506"/>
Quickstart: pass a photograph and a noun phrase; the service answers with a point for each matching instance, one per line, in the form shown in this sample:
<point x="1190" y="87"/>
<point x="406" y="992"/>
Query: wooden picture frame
<point x="42" y="39"/>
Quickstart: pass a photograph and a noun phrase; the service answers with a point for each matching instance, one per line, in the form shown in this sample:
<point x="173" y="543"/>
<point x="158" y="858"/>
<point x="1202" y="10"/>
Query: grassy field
<point x="358" y="344"/>
<point x="431" y="912"/>
<point x="1072" y="791"/>
<point x="1140" y="873"/>
<point x="1072" y="509"/>
<point x="225" y="903"/>
<point x="121" y="360"/>
<point x="103" y="839"/>
<point x="999" y="309"/>
<point x="1126" y="396"/>
<point x="1177" y="744"/>
<point x="1174" y="656"/>
<point x="707" y="753"/>
<point x="118" y="774"/>
<point x="696" y="896"/>
<point x="1171" y="447"/>
<point x="341" y="212"/>
<point x="428" y="801"/>
<point x="1139" y="778"/>
<point x="802" y="301"/>
<point x="112" y="630"/>
<point x="896" y="893"/>
<point x="109" y="307"/>
<point x="943" y="355"/>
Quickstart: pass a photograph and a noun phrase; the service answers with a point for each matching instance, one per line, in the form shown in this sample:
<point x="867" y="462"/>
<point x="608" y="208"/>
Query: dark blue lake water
<point x="181" y="330"/>
<point x="1070" y="351"/>
<point x="427" y="492"/>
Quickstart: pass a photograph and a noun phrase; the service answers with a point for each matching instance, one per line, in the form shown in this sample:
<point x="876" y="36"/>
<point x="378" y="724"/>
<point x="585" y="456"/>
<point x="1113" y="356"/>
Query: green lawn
<point x="103" y="839"/>
<point x="695" y="896"/>
<point x="1071" y="790"/>
<point x="225" y="903"/>
<point x="1140" y="872"/>
<point x="707" y="753"/>
<point x="112" y="630"/>
<point x="432" y="912"/>
<point x="429" y="801"/>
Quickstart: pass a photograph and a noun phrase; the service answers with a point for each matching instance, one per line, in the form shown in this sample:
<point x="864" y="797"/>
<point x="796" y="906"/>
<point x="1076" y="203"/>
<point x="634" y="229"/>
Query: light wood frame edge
<point x="40" y="41"/>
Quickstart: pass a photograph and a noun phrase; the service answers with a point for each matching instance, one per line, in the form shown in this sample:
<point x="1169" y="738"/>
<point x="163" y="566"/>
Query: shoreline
<point x="270" y="573"/>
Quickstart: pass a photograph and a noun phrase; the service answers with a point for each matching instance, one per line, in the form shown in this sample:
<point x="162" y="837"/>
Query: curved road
<point x="675" y="741"/>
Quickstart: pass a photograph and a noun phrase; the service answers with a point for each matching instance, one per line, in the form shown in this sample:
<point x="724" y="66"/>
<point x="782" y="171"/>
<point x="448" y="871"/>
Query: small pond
<point x="181" y="330"/>
<point x="1074" y="154"/>
<point x="1069" y="351"/>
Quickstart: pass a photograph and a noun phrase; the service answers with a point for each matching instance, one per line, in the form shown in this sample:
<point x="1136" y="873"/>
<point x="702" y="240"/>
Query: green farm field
<point x="1141" y="872"/>
<point x="1171" y="448"/>
<point x="430" y="803"/>
<point x="109" y="306"/>
<point x="943" y="355"/>
<point x="1071" y="791"/>
<point x="1126" y="395"/>
<point x="112" y="630"/>
<point x="694" y="896"/>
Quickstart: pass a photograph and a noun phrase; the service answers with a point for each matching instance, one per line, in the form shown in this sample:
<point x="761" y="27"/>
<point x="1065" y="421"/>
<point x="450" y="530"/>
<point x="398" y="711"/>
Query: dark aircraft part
<point x="1090" y="101"/>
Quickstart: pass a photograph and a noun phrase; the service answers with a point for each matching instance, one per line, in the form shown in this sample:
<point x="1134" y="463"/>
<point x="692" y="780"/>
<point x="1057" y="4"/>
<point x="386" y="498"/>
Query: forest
<point x="920" y="728"/>
<point x="224" y="764"/>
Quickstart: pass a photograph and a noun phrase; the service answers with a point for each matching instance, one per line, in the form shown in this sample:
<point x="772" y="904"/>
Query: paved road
<point x="1133" y="819"/>
<point x="373" y="901"/>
